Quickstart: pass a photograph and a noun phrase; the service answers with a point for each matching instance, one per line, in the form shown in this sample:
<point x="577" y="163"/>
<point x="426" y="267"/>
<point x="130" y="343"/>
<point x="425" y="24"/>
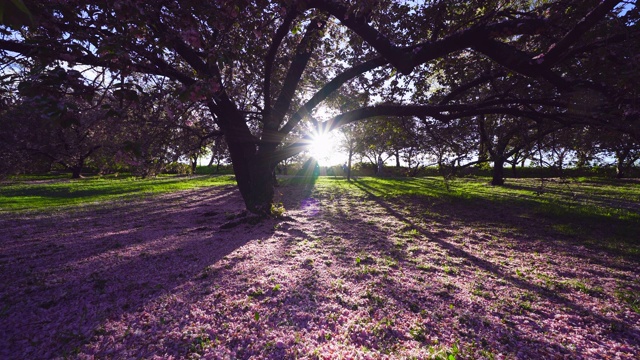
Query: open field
<point x="54" y="192"/>
<point x="374" y="268"/>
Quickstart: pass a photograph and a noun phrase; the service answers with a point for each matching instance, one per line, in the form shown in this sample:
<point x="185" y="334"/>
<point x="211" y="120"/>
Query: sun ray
<point x="324" y="147"/>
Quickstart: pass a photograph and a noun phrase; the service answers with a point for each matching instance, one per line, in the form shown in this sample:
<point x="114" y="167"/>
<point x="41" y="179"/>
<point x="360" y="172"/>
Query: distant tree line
<point x="59" y="119"/>
<point x="489" y="144"/>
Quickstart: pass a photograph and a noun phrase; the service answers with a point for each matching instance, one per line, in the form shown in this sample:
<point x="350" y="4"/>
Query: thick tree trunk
<point x="498" y="172"/>
<point x="253" y="165"/>
<point x="76" y="169"/>
<point x="254" y="175"/>
<point x="255" y="181"/>
<point x="76" y="172"/>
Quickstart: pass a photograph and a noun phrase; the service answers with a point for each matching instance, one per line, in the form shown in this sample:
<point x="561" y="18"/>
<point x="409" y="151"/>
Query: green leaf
<point x="256" y="316"/>
<point x="16" y="13"/>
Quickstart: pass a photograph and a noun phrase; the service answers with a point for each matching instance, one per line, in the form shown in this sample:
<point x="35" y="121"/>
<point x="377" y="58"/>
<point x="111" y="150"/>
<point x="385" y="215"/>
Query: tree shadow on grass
<point x="561" y="294"/>
<point x="65" y="274"/>
<point x="346" y="270"/>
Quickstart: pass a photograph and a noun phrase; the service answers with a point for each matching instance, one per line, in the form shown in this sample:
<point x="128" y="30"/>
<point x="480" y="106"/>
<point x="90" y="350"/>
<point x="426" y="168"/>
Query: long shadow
<point x="369" y="247"/>
<point x="64" y="275"/>
<point x="490" y="267"/>
<point x="46" y="190"/>
<point x="577" y="198"/>
<point x="71" y="284"/>
<point x="509" y="214"/>
<point x="605" y="233"/>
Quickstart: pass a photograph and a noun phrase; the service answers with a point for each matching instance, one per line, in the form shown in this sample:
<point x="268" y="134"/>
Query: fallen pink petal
<point x="156" y="278"/>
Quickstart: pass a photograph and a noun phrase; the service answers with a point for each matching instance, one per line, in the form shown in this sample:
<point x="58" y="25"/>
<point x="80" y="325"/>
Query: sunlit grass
<point x="607" y="199"/>
<point x="596" y="211"/>
<point x="25" y="194"/>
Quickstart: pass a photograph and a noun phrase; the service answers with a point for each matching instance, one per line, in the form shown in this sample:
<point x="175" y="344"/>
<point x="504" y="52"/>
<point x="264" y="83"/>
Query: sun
<point x="324" y="148"/>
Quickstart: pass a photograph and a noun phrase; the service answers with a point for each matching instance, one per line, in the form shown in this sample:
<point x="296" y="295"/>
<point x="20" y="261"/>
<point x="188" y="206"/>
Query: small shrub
<point x="177" y="168"/>
<point x="277" y="210"/>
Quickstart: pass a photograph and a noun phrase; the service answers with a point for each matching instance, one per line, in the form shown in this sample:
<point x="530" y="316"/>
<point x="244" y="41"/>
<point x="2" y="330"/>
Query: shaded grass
<point x="25" y="194"/>
<point x="602" y="213"/>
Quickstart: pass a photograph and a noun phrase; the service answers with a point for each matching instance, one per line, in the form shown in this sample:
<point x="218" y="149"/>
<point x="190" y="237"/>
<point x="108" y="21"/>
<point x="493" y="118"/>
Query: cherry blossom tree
<point x="262" y="68"/>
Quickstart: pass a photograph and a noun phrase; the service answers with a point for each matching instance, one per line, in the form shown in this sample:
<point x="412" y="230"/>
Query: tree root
<point x="245" y="217"/>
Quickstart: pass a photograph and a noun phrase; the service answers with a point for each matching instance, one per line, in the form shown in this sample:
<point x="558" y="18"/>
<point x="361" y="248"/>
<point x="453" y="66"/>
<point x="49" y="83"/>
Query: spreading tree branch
<point x="471" y="84"/>
<point x="328" y="89"/>
<point x="303" y="53"/>
<point x="555" y="51"/>
<point x="271" y="55"/>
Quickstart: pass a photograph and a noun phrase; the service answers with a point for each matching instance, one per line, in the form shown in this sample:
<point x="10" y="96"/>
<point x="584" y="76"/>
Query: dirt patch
<point x="346" y="274"/>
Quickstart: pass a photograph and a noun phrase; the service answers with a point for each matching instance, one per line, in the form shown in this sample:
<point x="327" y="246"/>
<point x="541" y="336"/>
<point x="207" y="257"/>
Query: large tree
<point x="263" y="67"/>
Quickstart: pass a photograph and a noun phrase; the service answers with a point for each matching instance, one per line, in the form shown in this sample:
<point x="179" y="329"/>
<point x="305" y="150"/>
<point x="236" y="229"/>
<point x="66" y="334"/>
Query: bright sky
<point x="326" y="150"/>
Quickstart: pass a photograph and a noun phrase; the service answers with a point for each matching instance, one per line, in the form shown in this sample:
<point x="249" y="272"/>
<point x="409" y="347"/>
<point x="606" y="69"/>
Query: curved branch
<point x="329" y="88"/>
<point x="554" y="53"/>
<point x="358" y="24"/>
<point x="520" y="61"/>
<point x="273" y="50"/>
<point x="156" y="66"/>
<point x="440" y="112"/>
<point x="475" y="82"/>
<point x="299" y="63"/>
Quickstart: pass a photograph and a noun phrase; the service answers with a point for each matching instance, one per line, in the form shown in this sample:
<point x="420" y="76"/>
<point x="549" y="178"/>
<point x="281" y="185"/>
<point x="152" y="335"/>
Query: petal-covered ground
<point x="347" y="274"/>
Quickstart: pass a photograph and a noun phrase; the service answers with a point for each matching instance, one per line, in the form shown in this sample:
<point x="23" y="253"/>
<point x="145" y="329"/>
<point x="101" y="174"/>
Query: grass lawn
<point x="369" y="269"/>
<point x="52" y="192"/>
<point x="603" y="212"/>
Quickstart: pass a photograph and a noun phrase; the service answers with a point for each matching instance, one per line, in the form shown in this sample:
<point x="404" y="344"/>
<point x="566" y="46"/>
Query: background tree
<point x="57" y="118"/>
<point x="219" y="152"/>
<point x="262" y="68"/>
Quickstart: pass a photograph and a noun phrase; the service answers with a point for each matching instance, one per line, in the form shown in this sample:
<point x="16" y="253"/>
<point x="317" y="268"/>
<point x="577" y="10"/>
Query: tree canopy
<point x="264" y="73"/>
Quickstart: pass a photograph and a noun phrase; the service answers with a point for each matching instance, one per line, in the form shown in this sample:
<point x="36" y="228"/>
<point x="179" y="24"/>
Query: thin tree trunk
<point x="194" y="164"/>
<point x="620" y="166"/>
<point x="349" y="165"/>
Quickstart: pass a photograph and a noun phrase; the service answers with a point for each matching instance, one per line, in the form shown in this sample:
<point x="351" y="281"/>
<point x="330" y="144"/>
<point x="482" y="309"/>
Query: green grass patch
<point x="26" y="194"/>
<point x="603" y="213"/>
<point x="631" y="298"/>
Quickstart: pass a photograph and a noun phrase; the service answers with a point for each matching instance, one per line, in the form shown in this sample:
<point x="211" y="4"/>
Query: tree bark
<point x="252" y="160"/>
<point x="194" y="164"/>
<point x="349" y="165"/>
<point x="76" y="172"/>
<point x="498" y="172"/>
<point x="76" y="169"/>
<point x="621" y="168"/>
<point x="254" y="176"/>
